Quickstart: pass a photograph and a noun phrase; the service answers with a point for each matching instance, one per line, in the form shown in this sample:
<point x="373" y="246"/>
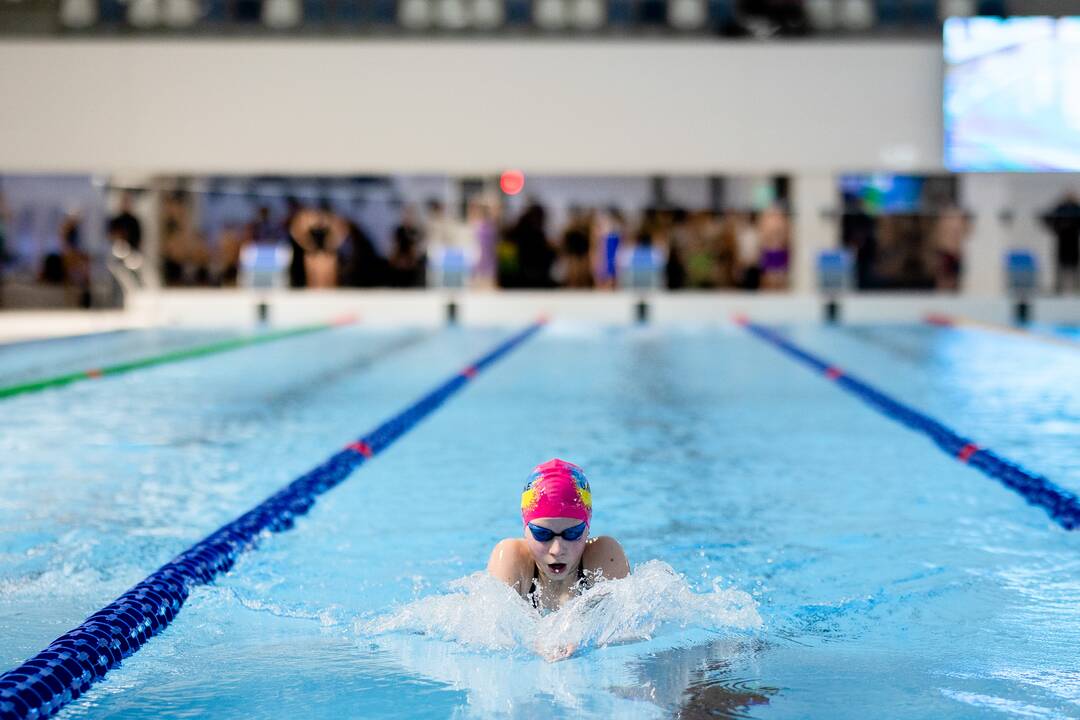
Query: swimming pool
<point x="890" y="579"/>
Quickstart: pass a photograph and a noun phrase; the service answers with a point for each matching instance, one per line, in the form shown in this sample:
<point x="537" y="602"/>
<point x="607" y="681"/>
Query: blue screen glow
<point x="1012" y="94"/>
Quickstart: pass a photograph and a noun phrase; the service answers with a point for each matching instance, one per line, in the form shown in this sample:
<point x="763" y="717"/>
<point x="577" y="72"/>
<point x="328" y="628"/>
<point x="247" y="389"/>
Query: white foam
<point x="482" y="612"/>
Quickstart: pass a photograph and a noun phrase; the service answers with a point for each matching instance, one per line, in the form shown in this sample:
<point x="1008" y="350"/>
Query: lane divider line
<point x="956" y="321"/>
<point x="1062" y="505"/>
<point x="169" y="357"/>
<point x="78" y="658"/>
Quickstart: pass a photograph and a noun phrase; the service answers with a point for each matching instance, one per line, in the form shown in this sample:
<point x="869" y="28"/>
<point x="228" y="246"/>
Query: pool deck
<point x="432" y="308"/>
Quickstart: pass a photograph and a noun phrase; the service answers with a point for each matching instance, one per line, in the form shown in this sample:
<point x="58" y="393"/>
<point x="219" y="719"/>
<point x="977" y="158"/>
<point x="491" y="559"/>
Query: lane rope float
<point x="164" y="358"/>
<point x="1062" y="505"/>
<point x="78" y="658"/>
<point x="955" y="322"/>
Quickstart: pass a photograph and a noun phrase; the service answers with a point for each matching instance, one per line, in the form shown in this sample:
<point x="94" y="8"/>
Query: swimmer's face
<point x="557" y="558"/>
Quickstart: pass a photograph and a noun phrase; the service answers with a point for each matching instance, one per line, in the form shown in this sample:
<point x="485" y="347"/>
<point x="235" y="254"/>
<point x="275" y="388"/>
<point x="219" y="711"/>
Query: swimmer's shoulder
<point x="604" y="553"/>
<point x="512" y="563"/>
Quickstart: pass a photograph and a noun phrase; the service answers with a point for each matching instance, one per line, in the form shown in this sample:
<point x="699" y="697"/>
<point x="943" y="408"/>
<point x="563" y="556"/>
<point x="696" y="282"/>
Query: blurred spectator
<point x="532" y="252"/>
<point x="774" y="233"/>
<point x="185" y="255"/>
<point x="124" y="228"/>
<point x="361" y="265"/>
<point x="951" y="228"/>
<point x="440" y="231"/>
<point x="484" y="229"/>
<point x="319" y="233"/>
<point x="702" y="251"/>
<point x="748" y="250"/>
<point x="726" y="249"/>
<point x="670" y="231"/>
<point x="70" y="266"/>
<point x="640" y="263"/>
<point x="226" y="261"/>
<point x="263" y="230"/>
<point x="1063" y="220"/>
<point x="406" y="260"/>
<point x="264" y="253"/>
<point x="436" y="229"/>
<point x="610" y="229"/>
<point x="297" y="270"/>
<point x="577" y="250"/>
<point x="858" y="235"/>
<point x="905" y="259"/>
<point x="507" y="264"/>
<point x="449" y="247"/>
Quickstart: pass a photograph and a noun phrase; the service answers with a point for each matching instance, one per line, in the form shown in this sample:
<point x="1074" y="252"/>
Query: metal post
<point x="832" y="311"/>
<point x="1022" y="312"/>
<point x="641" y="312"/>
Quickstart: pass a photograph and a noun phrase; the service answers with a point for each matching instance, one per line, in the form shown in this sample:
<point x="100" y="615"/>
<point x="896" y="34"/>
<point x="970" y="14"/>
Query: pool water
<point x="807" y="555"/>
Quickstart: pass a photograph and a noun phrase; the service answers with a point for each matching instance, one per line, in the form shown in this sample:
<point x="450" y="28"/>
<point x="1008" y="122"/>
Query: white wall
<point x="468" y="107"/>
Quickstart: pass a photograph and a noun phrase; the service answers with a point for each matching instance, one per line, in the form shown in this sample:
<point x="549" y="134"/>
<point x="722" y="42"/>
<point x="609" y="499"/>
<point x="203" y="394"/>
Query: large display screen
<point x="1012" y="94"/>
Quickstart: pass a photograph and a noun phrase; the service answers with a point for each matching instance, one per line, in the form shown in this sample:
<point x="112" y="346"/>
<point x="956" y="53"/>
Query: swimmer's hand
<point x="557" y="653"/>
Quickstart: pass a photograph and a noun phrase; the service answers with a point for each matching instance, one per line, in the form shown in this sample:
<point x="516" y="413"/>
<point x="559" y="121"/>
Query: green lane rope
<point x="169" y="357"/>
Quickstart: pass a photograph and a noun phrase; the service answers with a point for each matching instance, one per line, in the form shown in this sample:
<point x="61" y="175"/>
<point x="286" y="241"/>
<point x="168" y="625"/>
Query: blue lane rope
<point x="74" y="661"/>
<point x="1061" y="504"/>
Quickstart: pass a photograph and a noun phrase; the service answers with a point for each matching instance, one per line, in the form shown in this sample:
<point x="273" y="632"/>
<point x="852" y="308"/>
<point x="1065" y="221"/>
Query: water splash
<point x="483" y="613"/>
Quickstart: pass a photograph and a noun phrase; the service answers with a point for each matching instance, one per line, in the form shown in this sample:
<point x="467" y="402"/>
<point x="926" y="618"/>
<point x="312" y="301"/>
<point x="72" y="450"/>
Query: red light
<point x="512" y="182"/>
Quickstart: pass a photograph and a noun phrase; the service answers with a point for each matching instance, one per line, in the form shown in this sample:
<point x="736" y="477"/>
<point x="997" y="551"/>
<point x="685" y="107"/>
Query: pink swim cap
<point x="556" y="489"/>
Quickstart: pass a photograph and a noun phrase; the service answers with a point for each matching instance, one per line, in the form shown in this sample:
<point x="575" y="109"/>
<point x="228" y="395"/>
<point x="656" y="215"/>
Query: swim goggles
<point x="543" y="534"/>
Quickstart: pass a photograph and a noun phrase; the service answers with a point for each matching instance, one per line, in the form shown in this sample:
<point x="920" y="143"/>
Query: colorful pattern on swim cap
<point x="557" y="489"/>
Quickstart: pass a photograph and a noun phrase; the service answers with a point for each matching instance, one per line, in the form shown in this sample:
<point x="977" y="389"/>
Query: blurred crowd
<point x="589" y="248"/>
<point x="925" y="251"/>
<point x="905" y="250"/>
<point x="488" y="243"/>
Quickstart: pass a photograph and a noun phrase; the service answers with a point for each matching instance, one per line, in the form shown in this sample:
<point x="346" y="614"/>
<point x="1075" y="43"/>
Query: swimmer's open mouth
<point x="557" y="568"/>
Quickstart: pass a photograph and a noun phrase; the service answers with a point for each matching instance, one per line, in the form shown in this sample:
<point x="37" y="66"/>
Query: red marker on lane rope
<point x="966" y="452"/>
<point x="347" y="319"/>
<point x="834" y="372"/>
<point x="361" y="447"/>
<point x="939" y="320"/>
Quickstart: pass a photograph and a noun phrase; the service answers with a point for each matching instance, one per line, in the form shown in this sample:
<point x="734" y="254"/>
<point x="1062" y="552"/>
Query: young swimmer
<point x="556" y="558"/>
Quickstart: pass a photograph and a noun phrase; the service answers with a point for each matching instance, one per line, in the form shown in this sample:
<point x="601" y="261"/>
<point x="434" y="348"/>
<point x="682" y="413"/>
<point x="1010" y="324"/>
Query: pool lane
<point x="103" y="481"/>
<point x="1062" y="505"/>
<point x="119" y="367"/>
<point x="888" y="575"/>
<point x="69" y="665"/>
<point x="24" y="362"/>
<point x="21" y="345"/>
<point x="1015" y="395"/>
<point x="892" y="579"/>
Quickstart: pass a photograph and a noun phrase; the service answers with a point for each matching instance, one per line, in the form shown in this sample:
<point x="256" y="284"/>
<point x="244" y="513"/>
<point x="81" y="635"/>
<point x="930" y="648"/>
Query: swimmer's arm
<point x="604" y="553"/>
<point x="510" y="562"/>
